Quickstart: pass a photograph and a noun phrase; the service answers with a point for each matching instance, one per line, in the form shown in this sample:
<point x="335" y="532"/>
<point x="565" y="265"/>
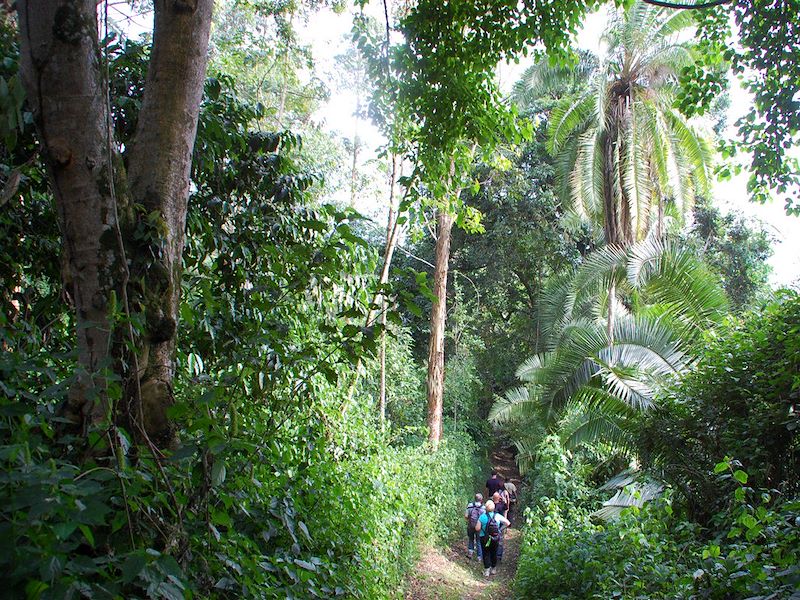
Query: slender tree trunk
<point x="284" y="83"/>
<point x="390" y="227"/>
<point x="388" y="254"/>
<point x="356" y="148"/>
<point x="62" y="71"/>
<point x="435" y="380"/>
<point x="382" y="385"/>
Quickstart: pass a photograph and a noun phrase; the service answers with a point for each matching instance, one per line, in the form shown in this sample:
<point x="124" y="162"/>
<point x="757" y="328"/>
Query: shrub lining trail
<point x="447" y="574"/>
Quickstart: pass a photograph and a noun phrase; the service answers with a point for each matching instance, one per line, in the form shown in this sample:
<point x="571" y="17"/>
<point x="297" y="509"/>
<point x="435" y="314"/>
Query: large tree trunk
<point x="62" y="70"/>
<point x="611" y="225"/>
<point x="160" y="161"/>
<point x="435" y="380"/>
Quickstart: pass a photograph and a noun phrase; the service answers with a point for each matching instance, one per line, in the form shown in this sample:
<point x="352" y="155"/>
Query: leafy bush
<point x="742" y="400"/>
<point x="567" y="556"/>
<point x="227" y="516"/>
<point x="656" y="552"/>
<point x="725" y="528"/>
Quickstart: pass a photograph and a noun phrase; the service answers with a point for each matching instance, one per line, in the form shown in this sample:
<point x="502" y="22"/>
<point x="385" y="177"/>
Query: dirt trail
<point x="447" y="574"/>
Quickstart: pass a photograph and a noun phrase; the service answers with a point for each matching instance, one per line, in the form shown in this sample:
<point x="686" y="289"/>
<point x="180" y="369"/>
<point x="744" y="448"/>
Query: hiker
<point x="506" y="500"/>
<point x="472" y="515"/>
<point x="500" y="504"/>
<point x="494" y="483"/>
<point x="511" y="489"/>
<point x="501" y="508"/>
<point x="489" y="527"/>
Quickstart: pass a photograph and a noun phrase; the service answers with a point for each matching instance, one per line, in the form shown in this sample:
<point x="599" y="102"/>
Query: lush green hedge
<point x="233" y="518"/>
<point x="654" y="553"/>
<point x="727" y="527"/>
<point x="741" y="400"/>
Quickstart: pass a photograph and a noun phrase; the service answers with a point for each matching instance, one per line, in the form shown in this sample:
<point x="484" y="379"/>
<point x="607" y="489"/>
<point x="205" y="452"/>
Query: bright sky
<point x="328" y="35"/>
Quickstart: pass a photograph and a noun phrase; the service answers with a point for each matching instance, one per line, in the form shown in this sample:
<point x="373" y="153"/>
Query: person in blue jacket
<point x="489" y="526"/>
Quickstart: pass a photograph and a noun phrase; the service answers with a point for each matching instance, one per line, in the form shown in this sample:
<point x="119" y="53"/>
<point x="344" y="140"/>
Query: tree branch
<point x="681" y="6"/>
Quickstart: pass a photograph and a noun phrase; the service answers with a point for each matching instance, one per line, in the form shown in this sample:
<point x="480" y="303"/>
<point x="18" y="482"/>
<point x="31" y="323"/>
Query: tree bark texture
<point x="435" y="379"/>
<point x="62" y="70"/>
<point x="618" y="216"/>
<point x="160" y="162"/>
<point x="611" y="223"/>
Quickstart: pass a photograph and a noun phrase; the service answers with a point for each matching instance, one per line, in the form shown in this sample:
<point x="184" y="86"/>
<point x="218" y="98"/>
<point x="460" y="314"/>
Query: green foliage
<point x="741" y="400"/>
<point x="655" y="552"/>
<point x="600" y="373"/>
<point x="266" y="518"/>
<point x="762" y="55"/>
<point x="500" y="272"/>
<point x="30" y="284"/>
<point x="556" y="475"/>
<point x="257" y="45"/>
<point x="524" y="243"/>
<point x="736" y="249"/>
<point x="462" y="388"/>
<point x="405" y="382"/>
<point x="271" y="492"/>
<point x="566" y="556"/>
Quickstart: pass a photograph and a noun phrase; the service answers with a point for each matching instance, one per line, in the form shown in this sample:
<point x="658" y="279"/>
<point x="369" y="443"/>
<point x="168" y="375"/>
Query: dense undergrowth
<point x="222" y="517"/>
<point x="278" y="484"/>
<point x="728" y="524"/>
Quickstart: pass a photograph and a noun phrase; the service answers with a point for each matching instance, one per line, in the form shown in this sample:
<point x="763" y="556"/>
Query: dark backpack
<point x="474" y="515"/>
<point x="492" y="528"/>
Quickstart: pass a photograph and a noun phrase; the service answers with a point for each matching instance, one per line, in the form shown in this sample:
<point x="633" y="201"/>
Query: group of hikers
<point x="487" y="522"/>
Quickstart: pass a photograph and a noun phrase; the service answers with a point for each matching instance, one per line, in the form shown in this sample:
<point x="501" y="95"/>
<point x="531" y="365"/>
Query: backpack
<point x="474" y="514"/>
<point x="492" y="528"/>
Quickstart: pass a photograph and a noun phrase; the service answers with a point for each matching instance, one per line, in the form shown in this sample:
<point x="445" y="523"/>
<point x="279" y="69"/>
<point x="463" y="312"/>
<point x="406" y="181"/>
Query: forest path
<point x="447" y="574"/>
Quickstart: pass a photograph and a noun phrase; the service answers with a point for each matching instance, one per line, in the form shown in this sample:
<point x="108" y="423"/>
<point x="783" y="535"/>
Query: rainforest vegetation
<point x="246" y="352"/>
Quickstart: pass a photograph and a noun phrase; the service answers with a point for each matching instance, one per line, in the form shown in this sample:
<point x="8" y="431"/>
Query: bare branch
<point x="681" y="6"/>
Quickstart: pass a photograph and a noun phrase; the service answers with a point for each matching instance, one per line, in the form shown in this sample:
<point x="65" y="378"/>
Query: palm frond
<point x="635" y="494"/>
<point x="595" y="418"/>
<point x="516" y="403"/>
<point x="568" y="117"/>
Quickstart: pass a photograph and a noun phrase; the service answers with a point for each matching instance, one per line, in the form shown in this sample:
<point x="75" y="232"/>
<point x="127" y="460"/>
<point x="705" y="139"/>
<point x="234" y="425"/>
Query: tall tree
<point x="737" y="249"/>
<point x="123" y="228"/>
<point x="627" y="157"/>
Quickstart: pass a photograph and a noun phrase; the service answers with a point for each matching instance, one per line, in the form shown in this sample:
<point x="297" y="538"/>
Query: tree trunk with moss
<point x="123" y="233"/>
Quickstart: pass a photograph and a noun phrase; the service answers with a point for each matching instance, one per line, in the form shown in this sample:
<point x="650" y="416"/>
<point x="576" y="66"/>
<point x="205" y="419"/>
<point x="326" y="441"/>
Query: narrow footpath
<point x="447" y="574"/>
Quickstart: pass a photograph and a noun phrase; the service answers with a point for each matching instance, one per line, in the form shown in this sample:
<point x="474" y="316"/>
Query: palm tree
<point x="590" y="384"/>
<point x="625" y="156"/>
